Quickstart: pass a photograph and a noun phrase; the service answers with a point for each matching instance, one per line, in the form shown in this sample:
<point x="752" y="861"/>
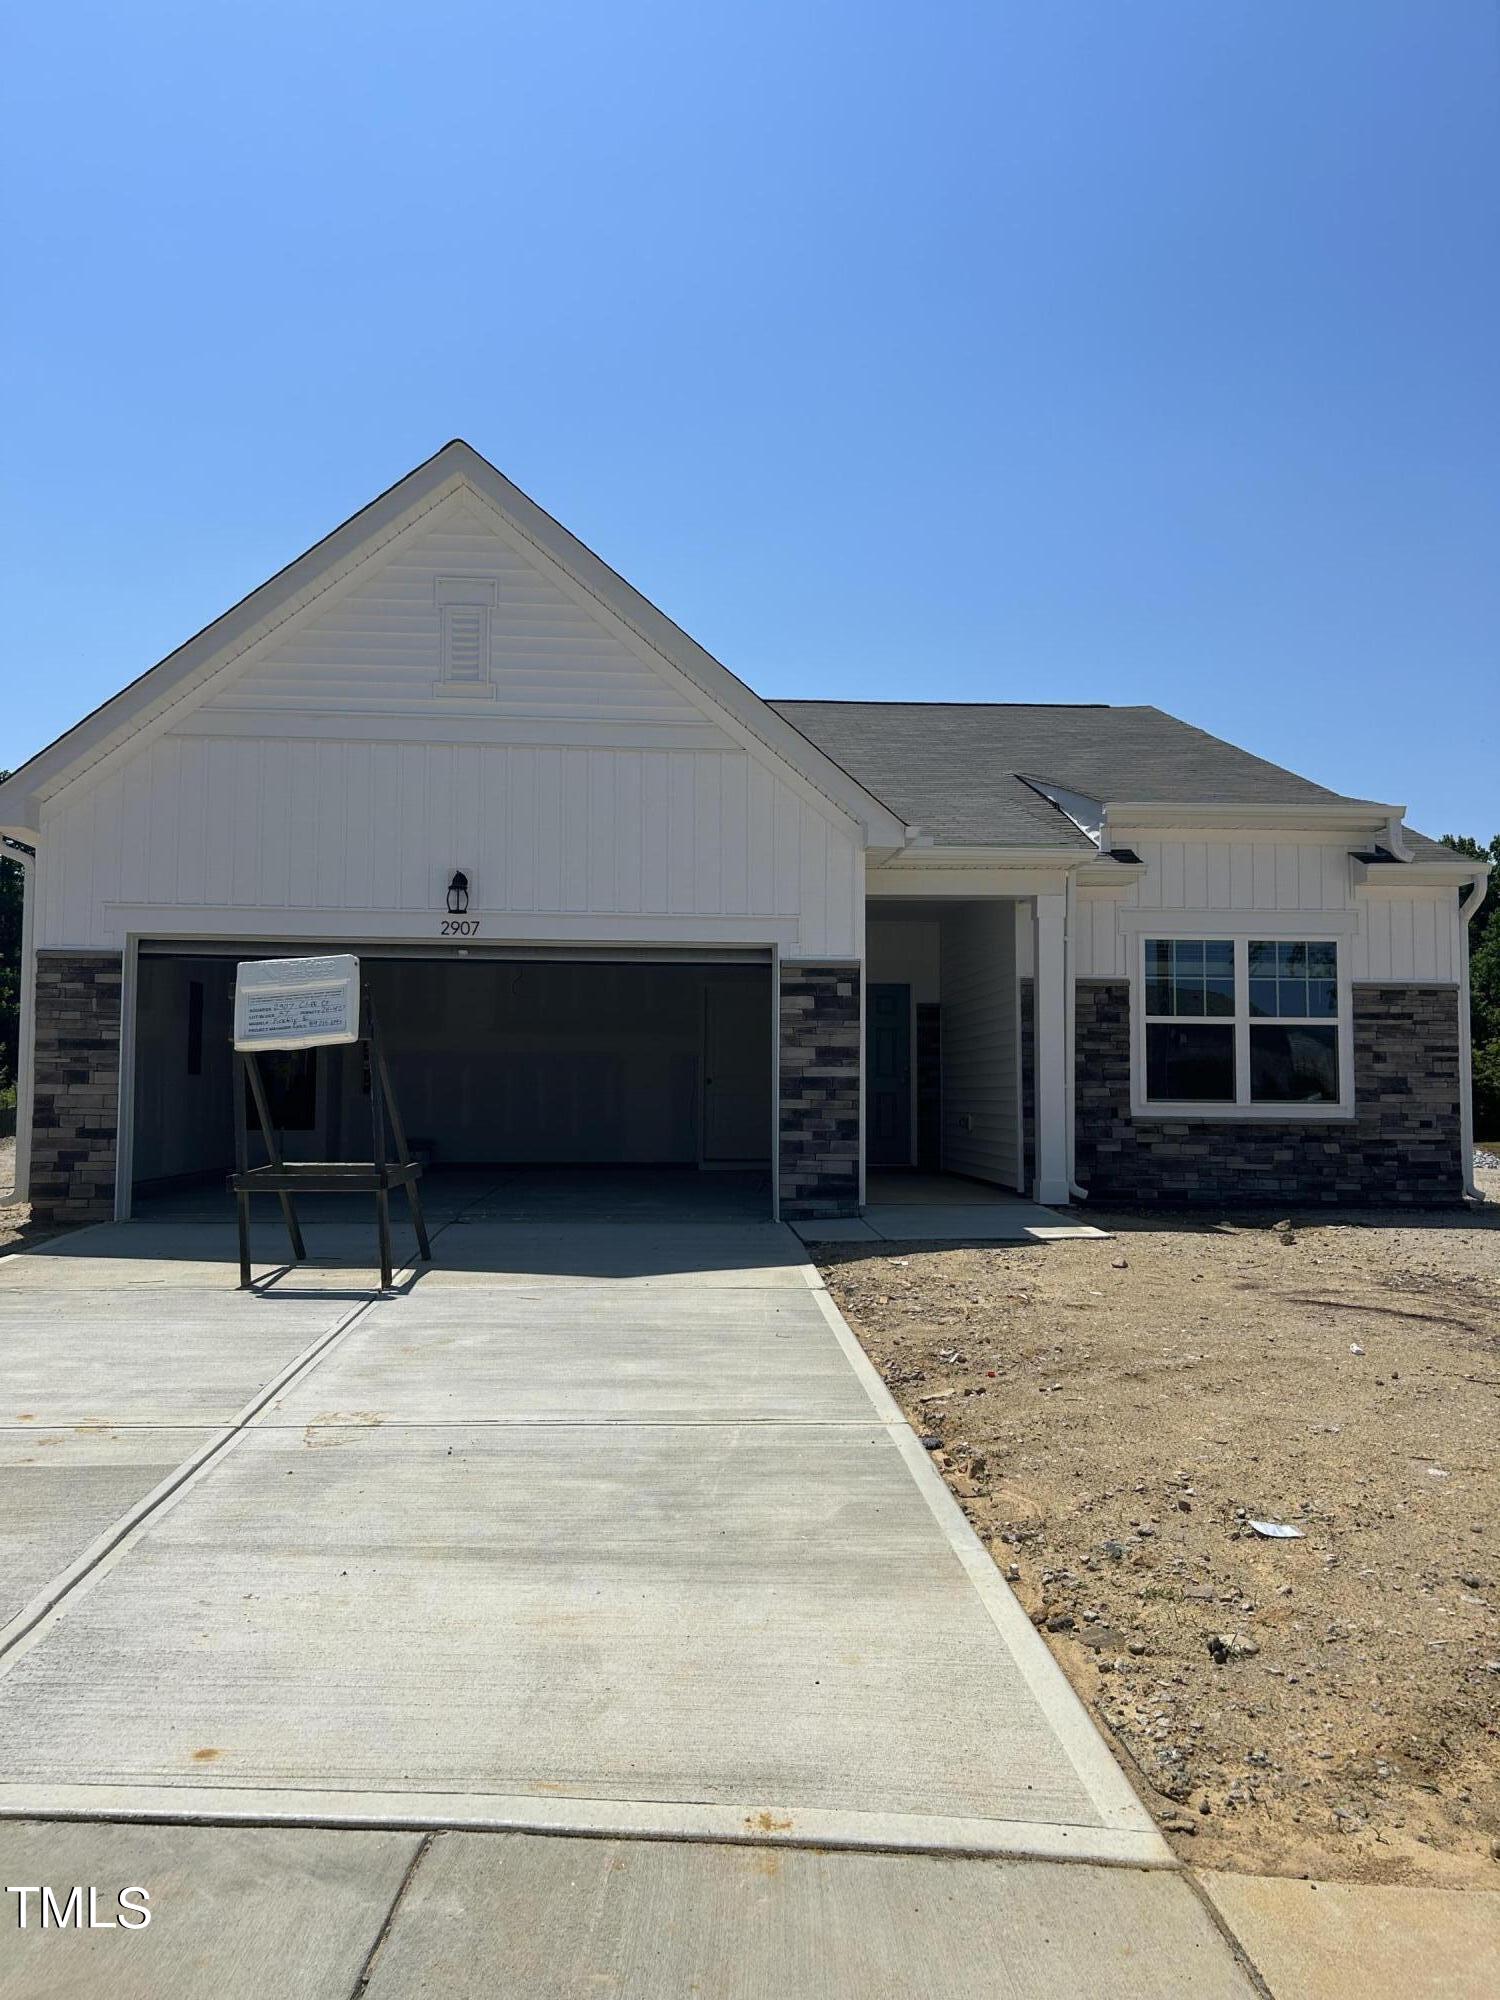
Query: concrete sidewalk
<point x="488" y="1916"/>
<point x="482" y="1916"/>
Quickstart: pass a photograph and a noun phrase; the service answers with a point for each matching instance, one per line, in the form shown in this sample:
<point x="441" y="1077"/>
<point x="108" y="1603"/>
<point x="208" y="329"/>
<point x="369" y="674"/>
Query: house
<point x="618" y="908"/>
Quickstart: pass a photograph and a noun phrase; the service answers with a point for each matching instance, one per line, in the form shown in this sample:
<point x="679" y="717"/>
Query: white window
<point x="465" y="606"/>
<point x="1241" y="1027"/>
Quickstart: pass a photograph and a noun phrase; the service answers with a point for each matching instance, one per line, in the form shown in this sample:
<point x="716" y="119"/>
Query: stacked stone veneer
<point x="819" y="1070"/>
<point x="76" y="1100"/>
<point x="1402" y="1145"/>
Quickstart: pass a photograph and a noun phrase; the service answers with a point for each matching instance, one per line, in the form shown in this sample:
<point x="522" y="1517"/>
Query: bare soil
<point x="16" y="1227"/>
<point x="1113" y="1415"/>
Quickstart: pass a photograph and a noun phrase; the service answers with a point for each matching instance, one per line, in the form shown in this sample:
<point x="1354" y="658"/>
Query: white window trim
<point x="1243" y="1110"/>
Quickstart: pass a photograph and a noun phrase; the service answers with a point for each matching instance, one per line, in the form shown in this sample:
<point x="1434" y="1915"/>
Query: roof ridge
<point x="850" y="701"/>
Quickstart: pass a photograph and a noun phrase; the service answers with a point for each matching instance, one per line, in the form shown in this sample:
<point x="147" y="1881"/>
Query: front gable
<point x="505" y="528"/>
<point x="379" y="648"/>
<point x="323" y="771"/>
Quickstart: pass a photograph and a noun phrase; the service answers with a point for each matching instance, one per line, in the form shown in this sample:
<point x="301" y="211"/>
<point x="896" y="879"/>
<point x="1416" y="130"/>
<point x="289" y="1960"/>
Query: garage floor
<point x="593" y="1527"/>
<point x="515" y="1194"/>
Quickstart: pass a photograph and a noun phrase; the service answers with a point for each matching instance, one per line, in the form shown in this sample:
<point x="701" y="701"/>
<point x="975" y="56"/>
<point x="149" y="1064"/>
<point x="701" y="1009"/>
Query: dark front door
<point x="888" y="1084"/>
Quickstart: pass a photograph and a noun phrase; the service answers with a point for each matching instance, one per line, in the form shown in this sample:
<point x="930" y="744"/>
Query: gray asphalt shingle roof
<point x="957" y="770"/>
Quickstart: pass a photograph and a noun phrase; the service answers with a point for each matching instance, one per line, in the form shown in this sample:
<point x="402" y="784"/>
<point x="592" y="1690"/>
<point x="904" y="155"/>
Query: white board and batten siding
<point x="1393" y="935"/>
<point x="981" y="1108"/>
<point x="329" y="789"/>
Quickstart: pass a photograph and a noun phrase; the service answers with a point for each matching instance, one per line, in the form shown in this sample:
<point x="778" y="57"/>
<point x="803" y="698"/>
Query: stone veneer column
<point x="76" y="1099"/>
<point x="819" y="1090"/>
<point x="1402" y="1147"/>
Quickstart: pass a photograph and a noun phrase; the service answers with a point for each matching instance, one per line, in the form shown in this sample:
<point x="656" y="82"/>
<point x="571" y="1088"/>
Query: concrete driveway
<point x="591" y="1527"/>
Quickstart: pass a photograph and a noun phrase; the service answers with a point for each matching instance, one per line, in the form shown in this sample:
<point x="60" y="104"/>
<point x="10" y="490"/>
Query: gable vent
<point x="465" y="630"/>
<point x="465" y="605"/>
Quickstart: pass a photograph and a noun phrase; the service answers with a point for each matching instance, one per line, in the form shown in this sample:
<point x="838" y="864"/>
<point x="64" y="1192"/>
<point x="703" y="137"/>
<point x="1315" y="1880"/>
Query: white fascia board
<point x="156" y="696"/>
<point x="1300" y="816"/>
<point x="995" y="857"/>
<point x="1397" y="876"/>
<point x="1092" y="869"/>
<point x="22" y="810"/>
<point x="976" y="872"/>
<point x="922" y="884"/>
<point x="1101" y="873"/>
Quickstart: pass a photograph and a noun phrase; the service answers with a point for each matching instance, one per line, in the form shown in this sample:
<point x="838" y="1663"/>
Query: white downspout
<point x="1070" y="952"/>
<point x="1466" y="913"/>
<point x="25" y="1053"/>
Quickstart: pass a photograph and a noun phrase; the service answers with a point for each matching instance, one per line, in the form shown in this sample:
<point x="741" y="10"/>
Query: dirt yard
<point x="16" y="1227"/>
<point x="1114" y="1415"/>
<point x="13" y="1214"/>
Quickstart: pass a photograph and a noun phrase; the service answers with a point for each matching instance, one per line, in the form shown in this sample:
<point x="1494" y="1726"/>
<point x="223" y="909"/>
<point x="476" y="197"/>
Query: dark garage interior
<point x="548" y="1062"/>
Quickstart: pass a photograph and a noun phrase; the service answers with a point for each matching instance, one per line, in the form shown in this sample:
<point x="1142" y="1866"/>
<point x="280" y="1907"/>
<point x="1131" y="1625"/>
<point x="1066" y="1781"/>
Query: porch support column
<point x="1050" y="1046"/>
<point x="26" y="1051"/>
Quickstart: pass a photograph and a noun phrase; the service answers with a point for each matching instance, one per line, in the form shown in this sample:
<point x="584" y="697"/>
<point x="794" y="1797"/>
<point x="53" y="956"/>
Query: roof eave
<point x="1421" y="872"/>
<point x="1325" y="815"/>
<point x="924" y="858"/>
<point x="456" y="465"/>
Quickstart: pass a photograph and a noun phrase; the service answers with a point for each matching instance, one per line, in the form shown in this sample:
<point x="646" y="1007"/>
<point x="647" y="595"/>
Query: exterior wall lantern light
<point x="458" y="893"/>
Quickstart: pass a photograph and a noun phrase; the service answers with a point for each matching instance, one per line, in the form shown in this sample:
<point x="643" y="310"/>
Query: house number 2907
<point x="460" y="927"/>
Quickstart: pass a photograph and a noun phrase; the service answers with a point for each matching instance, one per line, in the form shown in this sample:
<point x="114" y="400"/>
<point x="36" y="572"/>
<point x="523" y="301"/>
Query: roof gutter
<point x="1355" y="815"/>
<point x="1420" y="872"/>
<point x="1395" y="837"/>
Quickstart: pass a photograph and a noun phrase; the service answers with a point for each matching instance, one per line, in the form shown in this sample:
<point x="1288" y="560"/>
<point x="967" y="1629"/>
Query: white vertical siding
<point x="1254" y="873"/>
<point x="282" y="830"/>
<point x="981" y="1113"/>
<point x="1408" y="935"/>
<point x="1098" y="944"/>
<point x="329" y="782"/>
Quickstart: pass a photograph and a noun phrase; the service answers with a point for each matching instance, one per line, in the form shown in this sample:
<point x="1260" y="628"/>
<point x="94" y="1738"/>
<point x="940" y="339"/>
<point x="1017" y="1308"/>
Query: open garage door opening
<point x="547" y="1082"/>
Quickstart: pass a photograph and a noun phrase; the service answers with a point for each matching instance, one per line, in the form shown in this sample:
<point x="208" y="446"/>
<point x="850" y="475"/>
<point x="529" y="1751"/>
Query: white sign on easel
<point x="296" y="1003"/>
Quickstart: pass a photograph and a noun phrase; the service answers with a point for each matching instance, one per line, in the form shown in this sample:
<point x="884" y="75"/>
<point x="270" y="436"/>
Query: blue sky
<point x="1132" y="352"/>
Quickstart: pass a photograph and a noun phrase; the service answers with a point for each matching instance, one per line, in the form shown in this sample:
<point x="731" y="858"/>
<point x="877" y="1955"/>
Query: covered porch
<point x="912" y="1206"/>
<point x="968" y="1028"/>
